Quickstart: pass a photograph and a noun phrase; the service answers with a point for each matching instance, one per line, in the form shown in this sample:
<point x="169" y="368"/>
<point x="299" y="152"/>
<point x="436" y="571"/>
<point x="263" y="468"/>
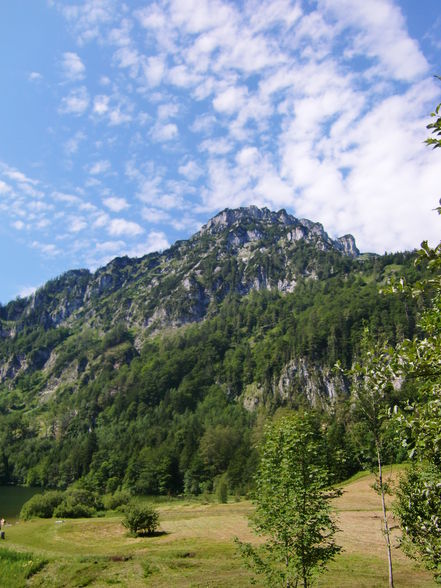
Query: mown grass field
<point x="195" y="548"/>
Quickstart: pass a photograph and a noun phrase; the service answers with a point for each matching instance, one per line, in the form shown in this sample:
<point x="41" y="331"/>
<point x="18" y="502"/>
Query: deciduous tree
<point x="293" y="510"/>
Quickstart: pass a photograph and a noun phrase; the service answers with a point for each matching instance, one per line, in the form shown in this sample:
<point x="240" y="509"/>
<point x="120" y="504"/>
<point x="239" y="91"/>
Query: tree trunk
<point x="386" y="530"/>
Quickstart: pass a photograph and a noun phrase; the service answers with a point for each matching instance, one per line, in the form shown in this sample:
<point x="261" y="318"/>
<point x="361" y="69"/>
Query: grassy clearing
<point x="196" y="548"/>
<point x="16" y="568"/>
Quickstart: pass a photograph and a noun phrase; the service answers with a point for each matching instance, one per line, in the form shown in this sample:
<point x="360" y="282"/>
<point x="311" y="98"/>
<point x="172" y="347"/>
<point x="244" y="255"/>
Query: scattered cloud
<point x="191" y="170"/>
<point x="164" y="132"/>
<point x="26" y="291"/>
<point x="35" y="76"/>
<point x="48" y="249"/>
<point x="120" y="226"/>
<point x="19" y="225"/>
<point x="110" y="246"/>
<point x="101" y="104"/>
<point x="4" y="187"/>
<point x="77" y="224"/>
<point x="99" y="167"/>
<point x="76" y="102"/>
<point x="155" y="215"/>
<point x="230" y="100"/>
<point x="115" y="204"/>
<point x="72" y="145"/>
<point x="73" y="68"/>
<point x="156" y="241"/>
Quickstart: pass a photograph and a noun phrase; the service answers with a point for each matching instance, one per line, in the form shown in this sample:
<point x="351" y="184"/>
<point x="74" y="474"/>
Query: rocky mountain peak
<point x="247" y="214"/>
<point x="230" y="220"/>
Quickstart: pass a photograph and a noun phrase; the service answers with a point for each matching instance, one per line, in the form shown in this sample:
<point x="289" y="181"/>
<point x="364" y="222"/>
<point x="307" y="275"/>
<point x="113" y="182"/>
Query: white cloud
<point x="129" y="58"/>
<point x="154" y="70"/>
<point x="77" y="224"/>
<point x="100" y="167"/>
<point x="164" y="132"/>
<point x="382" y="34"/>
<point x="4" y="188"/>
<point x="191" y="170"/>
<point x="101" y="220"/>
<point x="166" y="111"/>
<point x="88" y="18"/>
<point x="218" y="146"/>
<point x="230" y="100"/>
<point x="203" y="124"/>
<point x="18" y="176"/>
<point x="19" y="225"/>
<point x="120" y="226"/>
<point x="48" y="249"/>
<point x="69" y="199"/>
<point x="35" y="76"/>
<point x="110" y="246"/>
<point x="71" y="146"/>
<point x="26" y="291"/>
<point x="73" y="67"/>
<point x="154" y="215"/>
<point x="116" y="117"/>
<point x="186" y="222"/>
<point x="101" y="104"/>
<point x="156" y="241"/>
<point x="115" y="204"/>
<point x="76" y="102"/>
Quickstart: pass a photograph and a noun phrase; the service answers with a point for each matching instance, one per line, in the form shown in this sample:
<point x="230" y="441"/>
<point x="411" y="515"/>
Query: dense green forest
<point x="185" y="409"/>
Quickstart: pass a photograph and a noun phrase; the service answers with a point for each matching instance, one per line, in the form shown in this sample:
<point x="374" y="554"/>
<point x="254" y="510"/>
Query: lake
<point x="12" y="499"/>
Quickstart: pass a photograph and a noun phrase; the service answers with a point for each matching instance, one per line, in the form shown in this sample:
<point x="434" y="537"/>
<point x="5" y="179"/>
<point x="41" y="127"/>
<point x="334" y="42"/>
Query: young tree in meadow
<point x="371" y="384"/>
<point x="293" y="510"/>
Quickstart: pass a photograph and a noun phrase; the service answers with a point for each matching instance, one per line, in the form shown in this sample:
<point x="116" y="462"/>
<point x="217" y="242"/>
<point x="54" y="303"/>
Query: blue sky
<point x="126" y="126"/>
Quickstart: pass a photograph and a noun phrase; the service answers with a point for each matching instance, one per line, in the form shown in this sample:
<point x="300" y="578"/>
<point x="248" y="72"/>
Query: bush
<point x="141" y="519"/>
<point x="41" y="505"/>
<point x="116" y="500"/>
<point x="222" y="489"/>
<point x="86" y="497"/>
<point x="78" y="503"/>
<point x="69" y="509"/>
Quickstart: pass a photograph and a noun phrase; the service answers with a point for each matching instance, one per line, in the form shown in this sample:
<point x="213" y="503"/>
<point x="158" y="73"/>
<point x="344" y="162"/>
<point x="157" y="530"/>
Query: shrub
<point x="78" y="503"/>
<point x="116" y="500"/>
<point x="70" y="509"/>
<point x="222" y="489"/>
<point x="41" y="505"/>
<point x="86" y="497"/>
<point x="141" y="519"/>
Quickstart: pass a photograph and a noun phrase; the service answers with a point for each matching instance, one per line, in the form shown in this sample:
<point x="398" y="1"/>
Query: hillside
<point x="153" y="372"/>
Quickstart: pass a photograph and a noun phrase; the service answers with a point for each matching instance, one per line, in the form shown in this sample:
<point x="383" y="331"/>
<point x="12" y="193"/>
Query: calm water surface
<point x="12" y="499"/>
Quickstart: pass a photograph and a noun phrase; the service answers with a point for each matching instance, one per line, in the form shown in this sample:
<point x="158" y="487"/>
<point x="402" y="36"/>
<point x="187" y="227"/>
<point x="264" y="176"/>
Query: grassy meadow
<point x="194" y="548"/>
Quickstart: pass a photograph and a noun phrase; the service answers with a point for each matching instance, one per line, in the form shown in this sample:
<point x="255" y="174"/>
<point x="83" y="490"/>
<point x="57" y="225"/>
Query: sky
<point x="125" y="126"/>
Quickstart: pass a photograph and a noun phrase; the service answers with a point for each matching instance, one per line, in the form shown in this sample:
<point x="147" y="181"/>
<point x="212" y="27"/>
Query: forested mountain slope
<point x="155" y="373"/>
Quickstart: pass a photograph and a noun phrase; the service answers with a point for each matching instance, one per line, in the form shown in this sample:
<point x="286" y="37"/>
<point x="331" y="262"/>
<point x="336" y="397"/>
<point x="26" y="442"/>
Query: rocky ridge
<point x="180" y="284"/>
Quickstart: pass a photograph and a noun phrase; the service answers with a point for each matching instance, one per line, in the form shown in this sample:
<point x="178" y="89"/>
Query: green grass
<point x="196" y="548"/>
<point x="16" y="568"/>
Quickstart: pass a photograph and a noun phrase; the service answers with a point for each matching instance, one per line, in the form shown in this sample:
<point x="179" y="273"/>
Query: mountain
<point x="242" y="250"/>
<point x="152" y="372"/>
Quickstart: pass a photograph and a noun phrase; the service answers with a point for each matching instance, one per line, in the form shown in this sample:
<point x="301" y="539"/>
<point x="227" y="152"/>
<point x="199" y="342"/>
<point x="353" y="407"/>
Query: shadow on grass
<point x="153" y="534"/>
